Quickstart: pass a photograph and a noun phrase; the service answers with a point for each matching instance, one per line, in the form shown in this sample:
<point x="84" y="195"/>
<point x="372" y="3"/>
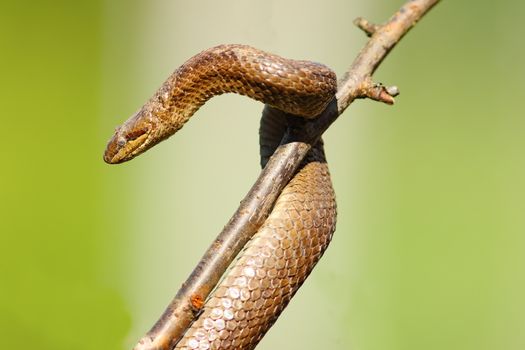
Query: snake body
<point x="277" y="260"/>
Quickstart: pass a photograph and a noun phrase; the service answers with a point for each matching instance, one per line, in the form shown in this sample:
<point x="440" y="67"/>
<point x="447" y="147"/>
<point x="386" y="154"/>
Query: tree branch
<point x="256" y="206"/>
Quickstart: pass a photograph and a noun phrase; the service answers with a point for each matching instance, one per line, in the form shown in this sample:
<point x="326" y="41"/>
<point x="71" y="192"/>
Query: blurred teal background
<point x="429" y="249"/>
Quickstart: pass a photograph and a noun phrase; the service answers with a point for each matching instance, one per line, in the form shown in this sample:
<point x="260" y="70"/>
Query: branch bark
<point x="256" y="206"/>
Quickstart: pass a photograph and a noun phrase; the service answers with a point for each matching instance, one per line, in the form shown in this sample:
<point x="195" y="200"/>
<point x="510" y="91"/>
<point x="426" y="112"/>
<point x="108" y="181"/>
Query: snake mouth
<point x="122" y="148"/>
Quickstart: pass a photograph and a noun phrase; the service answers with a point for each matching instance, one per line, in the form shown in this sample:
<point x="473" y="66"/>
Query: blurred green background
<point x="429" y="249"/>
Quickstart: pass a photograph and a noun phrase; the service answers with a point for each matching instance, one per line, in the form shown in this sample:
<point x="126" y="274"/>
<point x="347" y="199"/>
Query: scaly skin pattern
<point x="272" y="266"/>
<point x="280" y="256"/>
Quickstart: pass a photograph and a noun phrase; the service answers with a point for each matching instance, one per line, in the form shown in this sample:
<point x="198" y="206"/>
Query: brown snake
<point x="273" y="265"/>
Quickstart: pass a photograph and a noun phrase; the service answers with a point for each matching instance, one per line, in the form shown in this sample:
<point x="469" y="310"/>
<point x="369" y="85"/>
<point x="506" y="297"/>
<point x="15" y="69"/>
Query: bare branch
<point x="257" y="204"/>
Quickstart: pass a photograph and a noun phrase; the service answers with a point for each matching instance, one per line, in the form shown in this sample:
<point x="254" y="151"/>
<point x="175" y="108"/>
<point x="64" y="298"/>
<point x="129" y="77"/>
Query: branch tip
<point x="368" y="27"/>
<point x="392" y="90"/>
<point x="381" y="93"/>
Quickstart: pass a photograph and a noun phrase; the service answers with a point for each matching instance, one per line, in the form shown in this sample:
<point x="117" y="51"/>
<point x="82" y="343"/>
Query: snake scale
<point x="282" y="253"/>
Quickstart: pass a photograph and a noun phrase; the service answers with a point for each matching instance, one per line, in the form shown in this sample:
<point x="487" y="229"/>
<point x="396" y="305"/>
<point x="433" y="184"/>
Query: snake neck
<point x="301" y="88"/>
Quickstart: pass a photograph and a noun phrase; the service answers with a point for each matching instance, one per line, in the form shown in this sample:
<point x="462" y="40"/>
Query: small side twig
<point x="256" y="206"/>
<point x="379" y="92"/>
<point x="366" y="26"/>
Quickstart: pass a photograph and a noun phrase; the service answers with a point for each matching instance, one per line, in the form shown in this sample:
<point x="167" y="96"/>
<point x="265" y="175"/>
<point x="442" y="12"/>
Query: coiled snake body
<point x="282" y="253"/>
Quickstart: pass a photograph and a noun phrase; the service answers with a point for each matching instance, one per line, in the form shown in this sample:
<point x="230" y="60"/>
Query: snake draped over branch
<point x="282" y="253"/>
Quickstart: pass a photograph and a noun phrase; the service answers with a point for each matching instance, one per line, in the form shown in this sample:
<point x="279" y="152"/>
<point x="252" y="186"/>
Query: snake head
<point x="130" y="139"/>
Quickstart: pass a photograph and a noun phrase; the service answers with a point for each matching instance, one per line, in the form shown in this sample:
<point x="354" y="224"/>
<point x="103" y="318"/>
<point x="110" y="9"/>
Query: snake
<point x="273" y="265"/>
